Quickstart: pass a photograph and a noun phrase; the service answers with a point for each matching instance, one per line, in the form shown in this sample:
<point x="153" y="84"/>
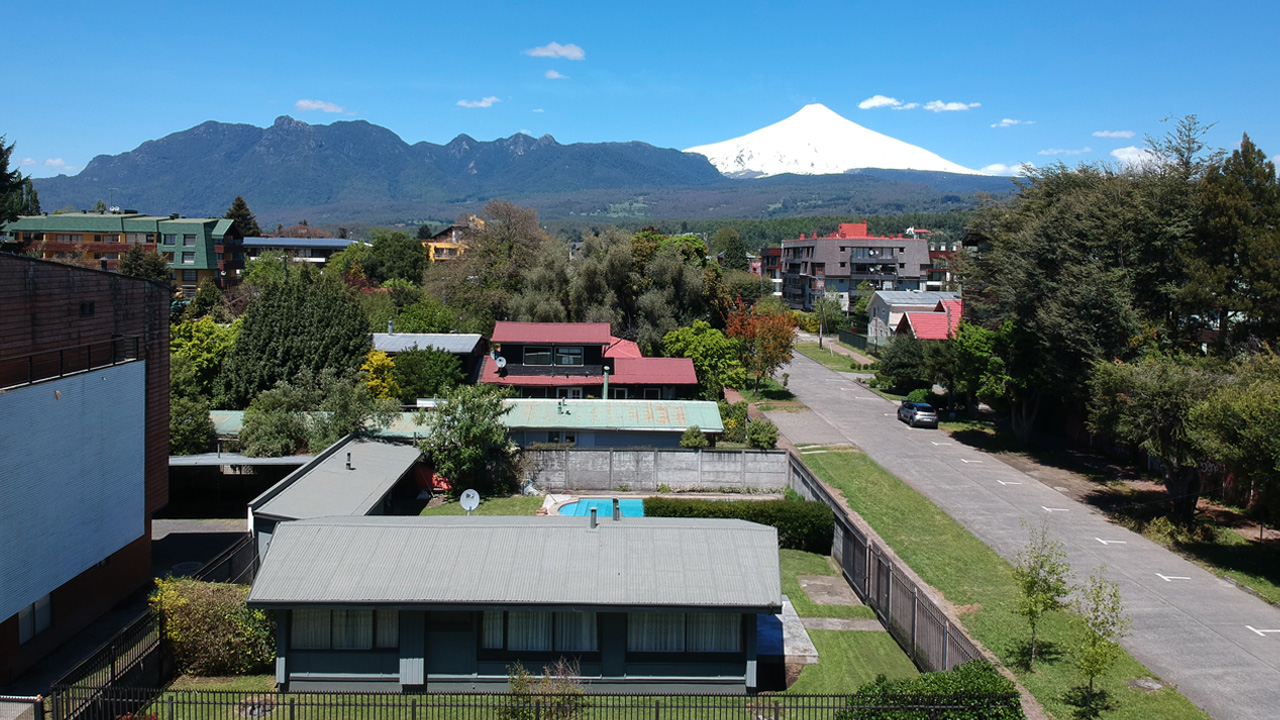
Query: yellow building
<point x="451" y="243"/>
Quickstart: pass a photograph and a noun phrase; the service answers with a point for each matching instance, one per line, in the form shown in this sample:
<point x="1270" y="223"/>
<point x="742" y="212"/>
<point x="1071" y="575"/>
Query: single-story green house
<point x="450" y="603"/>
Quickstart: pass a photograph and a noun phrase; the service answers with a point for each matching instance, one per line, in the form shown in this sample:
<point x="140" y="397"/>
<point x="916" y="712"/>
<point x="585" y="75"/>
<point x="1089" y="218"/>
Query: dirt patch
<point x="828" y="590"/>
<point x="962" y="609"/>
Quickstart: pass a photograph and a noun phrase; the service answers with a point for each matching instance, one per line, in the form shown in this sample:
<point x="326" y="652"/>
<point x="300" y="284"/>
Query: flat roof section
<point x="456" y="343"/>
<point x="540" y="562"/>
<point x="327" y="486"/>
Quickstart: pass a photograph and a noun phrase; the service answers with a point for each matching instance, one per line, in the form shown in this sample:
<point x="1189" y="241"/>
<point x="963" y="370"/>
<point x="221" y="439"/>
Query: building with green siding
<point x="196" y="248"/>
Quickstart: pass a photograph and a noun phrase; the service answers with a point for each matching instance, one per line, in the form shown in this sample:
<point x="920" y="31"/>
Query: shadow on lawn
<point x="1087" y="704"/>
<point x="1047" y="653"/>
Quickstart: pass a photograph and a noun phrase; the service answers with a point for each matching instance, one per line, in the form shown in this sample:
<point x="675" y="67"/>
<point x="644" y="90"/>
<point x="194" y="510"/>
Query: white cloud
<point x="879" y="101"/>
<point x="1058" y="151"/>
<point x="553" y="75"/>
<point x="1114" y="133"/>
<point x="907" y="106"/>
<point x="556" y="50"/>
<point x="482" y="103"/>
<point x="1002" y="169"/>
<point x="1134" y="156"/>
<point x="1010" y="122"/>
<point x="939" y="106"/>
<point x="55" y="162"/>
<point x="28" y="161"/>
<point x="321" y="105"/>
<point x="538" y="110"/>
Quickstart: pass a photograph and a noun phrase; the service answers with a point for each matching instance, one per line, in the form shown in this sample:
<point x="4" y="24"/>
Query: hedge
<point x="802" y="525"/>
<point x="972" y="691"/>
<point x="209" y="630"/>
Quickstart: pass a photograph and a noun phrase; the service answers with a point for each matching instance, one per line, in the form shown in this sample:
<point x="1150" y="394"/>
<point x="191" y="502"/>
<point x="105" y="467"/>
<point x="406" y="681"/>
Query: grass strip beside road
<point x="833" y="360"/>
<point x="980" y="584"/>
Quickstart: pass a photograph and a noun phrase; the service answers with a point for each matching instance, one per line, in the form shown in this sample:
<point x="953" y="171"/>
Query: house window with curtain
<point x="534" y="631"/>
<point x="681" y="632"/>
<point x="537" y="355"/>
<point x="344" y="629"/>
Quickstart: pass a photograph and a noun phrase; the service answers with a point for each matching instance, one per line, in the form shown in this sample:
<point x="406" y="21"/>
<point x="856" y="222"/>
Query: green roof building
<point x="196" y="248"/>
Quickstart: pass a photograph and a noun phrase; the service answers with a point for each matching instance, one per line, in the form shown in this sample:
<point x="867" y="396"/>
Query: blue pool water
<point x="631" y="507"/>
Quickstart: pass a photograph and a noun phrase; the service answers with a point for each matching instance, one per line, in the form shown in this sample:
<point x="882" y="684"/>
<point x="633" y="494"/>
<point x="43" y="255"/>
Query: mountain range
<point x="356" y="172"/>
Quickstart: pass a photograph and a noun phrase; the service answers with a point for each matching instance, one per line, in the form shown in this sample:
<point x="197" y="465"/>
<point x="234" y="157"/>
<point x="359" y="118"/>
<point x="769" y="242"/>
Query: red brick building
<point x="84" y="398"/>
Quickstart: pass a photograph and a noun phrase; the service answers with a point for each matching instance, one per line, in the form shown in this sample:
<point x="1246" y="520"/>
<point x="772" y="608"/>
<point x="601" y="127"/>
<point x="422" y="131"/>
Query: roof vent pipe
<point x="617" y="509"/>
<point x="391" y="326"/>
<point x="593" y="518"/>
<point x="349" y="462"/>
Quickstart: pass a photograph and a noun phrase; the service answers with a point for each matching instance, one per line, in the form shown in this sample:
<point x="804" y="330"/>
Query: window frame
<point x="504" y="653"/>
<point x="188" y="240"/>
<point x="377" y="618"/>
<point x="539" y="351"/>
<point x="568" y="352"/>
<point x="189" y="258"/>
<point x="711" y="655"/>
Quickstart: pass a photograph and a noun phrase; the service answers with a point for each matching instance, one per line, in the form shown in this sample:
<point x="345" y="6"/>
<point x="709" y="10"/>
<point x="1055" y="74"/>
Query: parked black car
<point x="918" y="414"/>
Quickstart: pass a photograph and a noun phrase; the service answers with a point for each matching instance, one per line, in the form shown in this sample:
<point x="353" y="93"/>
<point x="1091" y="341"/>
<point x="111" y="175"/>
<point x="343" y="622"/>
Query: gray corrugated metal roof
<point x="554" y="562"/>
<point x="456" y="343"/>
<point x="327" y="487"/>
<point x="908" y="297"/>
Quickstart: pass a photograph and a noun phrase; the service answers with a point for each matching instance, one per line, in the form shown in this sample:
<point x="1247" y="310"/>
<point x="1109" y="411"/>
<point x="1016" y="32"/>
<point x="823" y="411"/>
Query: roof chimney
<point x="593" y="518"/>
<point x="617" y="510"/>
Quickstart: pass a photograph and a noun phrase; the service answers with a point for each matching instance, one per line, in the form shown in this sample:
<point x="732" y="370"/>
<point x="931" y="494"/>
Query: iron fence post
<point x="657" y="710"/>
<point x="171" y="715"/>
<point x="291" y="716"/>
<point x="915" y="603"/>
<point x="537" y="709"/>
<point x="39" y="707"/>
<point x="946" y="641"/>
<point x="413" y="709"/>
<point x="113" y="663"/>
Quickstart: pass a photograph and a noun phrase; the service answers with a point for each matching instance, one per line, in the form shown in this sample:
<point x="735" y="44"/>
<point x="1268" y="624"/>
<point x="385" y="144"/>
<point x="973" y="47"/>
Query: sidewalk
<point x="834" y="345"/>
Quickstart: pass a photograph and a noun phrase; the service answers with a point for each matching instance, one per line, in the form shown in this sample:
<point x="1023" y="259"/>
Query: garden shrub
<point x="972" y="691"/>
<point x="209" y="630"/>
<point x="802" y="525"/>
<point x="693" y="438"/>
<point x="734" y="419"/>
<point x="920" y="395"/>
<point x="762" y="434"/>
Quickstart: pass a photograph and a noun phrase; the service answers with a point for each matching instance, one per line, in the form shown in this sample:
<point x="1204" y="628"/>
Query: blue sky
<point x="1013" y="82"/>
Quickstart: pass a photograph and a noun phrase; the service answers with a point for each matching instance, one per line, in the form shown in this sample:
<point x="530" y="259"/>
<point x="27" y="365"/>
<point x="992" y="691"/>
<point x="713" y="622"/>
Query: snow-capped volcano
<point x="817" y="141"/>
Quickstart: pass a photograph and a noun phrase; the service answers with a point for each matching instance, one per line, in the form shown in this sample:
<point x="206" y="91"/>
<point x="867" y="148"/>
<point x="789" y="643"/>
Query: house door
<point x="573" y="393"/>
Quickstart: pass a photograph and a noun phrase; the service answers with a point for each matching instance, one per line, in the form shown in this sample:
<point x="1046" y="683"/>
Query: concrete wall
<point x="607" y="469"/>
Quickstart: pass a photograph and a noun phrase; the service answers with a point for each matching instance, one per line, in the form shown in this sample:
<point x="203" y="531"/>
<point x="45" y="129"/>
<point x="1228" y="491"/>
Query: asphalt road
<point x="1219" y="645"/>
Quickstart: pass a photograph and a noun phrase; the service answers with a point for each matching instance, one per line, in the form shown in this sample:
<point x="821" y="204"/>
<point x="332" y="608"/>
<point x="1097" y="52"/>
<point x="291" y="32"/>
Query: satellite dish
<point x="469" y="501"/>
<point x="501" y="362"/>
<point x="493" y="354"/>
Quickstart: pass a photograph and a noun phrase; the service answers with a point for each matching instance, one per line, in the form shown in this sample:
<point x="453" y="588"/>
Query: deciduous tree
<point x="1041" y="571"/>
<point x="766" y="336"/>
<point x="468" y="441"/>
<point x="1105" y="622"/>
<point x="716" y="358"/>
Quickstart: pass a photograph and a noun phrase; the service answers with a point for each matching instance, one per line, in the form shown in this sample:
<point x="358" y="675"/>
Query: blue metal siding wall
<point x="73" y="484"/>
<point x="412" y="648"/>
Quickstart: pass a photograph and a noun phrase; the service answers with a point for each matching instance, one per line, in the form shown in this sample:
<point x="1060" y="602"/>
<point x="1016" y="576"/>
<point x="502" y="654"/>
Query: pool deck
<point x="552" y="503"/>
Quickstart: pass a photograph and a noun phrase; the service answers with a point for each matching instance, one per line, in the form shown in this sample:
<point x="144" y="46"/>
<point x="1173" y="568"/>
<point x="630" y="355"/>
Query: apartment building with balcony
<point x="84" y="397"/>
<point x="837" y="263"/>
<point x="195" y="248"/>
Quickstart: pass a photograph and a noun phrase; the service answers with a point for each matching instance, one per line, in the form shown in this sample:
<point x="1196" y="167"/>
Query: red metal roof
<point x="619" y="348"/>
<point x="653" y="371"/>
<point x="528" y="332"/>
<point x="938" y="325"/>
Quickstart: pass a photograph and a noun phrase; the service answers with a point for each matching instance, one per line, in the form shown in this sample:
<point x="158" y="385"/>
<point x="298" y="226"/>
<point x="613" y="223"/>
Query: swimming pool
<point x="631" y="507"/>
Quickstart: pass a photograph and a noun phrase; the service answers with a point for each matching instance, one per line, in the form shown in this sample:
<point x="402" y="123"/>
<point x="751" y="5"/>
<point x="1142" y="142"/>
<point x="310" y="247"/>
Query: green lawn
<point x="973" y="576"/>
<point x="833" y="360"/>
<point x="515" y="505"/>
<point x="849" y="660"/>
<point x="798" y="562"/>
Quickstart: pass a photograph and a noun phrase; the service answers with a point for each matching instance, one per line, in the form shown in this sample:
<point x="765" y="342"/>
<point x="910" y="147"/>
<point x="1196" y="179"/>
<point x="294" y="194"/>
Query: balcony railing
<point x="29" y="369"/>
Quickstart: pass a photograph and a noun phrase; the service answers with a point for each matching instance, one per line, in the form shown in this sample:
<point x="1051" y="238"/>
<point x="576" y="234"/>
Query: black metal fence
<point x="923" y="630"/>
<point x="153" y="704"/>
<point x="237" y="564"/>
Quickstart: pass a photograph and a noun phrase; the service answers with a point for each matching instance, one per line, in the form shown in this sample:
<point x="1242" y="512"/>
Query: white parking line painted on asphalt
<point x="1049" y="509"/>
<point x="1171" y="578"/>
<point x="1112" y="542"/>
<point x="1008" y="482"/>
<point x="1263" y="633"/>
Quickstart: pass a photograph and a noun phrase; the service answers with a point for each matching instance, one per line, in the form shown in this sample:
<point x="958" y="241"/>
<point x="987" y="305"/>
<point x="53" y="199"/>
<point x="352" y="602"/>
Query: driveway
<point x="1218" y="644"/>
